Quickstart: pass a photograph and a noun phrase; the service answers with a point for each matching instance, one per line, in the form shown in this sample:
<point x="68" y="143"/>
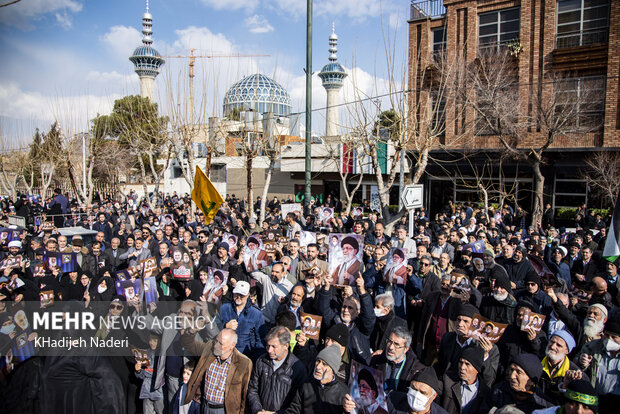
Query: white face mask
<point x="379" y="313"/>
<point x="417" y="401"/>
<point x="101" y="289"/>
<point x="611" y="346"/>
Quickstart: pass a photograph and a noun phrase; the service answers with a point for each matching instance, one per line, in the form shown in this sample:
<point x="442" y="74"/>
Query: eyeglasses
<point x="424" y="264"/>
<point x="394" y="344"/>
<point x="117" y="307"/>
<point x="531" y="284"/>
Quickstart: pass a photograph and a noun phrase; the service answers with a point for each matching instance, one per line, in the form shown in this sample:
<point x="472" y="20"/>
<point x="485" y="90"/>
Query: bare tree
<point x="492" y="91"/>
<point x="344" y="155"/>
<point x="603" y="175"/>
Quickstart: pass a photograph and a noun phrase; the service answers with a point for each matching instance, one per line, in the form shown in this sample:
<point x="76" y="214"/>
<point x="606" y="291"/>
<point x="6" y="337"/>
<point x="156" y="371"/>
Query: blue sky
<point x="68" y="59"/>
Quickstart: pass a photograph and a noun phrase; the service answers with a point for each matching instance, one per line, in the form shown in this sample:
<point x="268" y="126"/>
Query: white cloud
<point x="23" y="13"/>
<point x="248" y="5"/>
<point x="114" y="76"/>
<point x="258" y="24"/>
<point x="121" y="40"/>
<point x="358" y="10"/>
<point x="64" y="20"/>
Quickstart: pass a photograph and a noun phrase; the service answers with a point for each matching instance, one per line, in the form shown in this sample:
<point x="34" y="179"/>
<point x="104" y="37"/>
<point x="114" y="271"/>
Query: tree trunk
<point x="420" y="166"/>
<point x="250" y="189"/>
<point x="263" y="202"/>
<point x="485" y="195"/>
<point x="208" y="165"/>
<point x="539" y="185"/>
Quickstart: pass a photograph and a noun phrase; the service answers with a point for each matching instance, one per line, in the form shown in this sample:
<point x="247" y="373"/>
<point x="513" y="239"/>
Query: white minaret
<point x="146" y="59"/>
<point x="332" y="76"/>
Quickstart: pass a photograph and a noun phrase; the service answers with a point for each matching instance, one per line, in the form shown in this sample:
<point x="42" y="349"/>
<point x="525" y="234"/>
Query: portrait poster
<point x="367" y="390"/>
<point x="311" y="325"/>
<point x="357" y="212"/>
<point x="291" y="208"/>
<point x="325" y="215"/>
<point x="548" y="278"/>
<point x="182" y="268"/>
<point x="141" y="356"/>
<point x="231" y="240"/>
<point x="150" y="290"/>
<point x="582" y="295"/>
<point x="395" y="271"/>
<point x="39" y="270"/>
<point x="532" y="320"/>
<point x="486" y="328"/>
<point x="214" y="288"/>
<point x="22" y="347"/>
<point x="148" y="267"/>
<point x="130" y="289"/>
<point x="255" y="256"/>
<point x="345" y="257"/>
<point x="68" y="262"/>
<point x="4" y="236"/>
<point x="47" y="298"/>
<point x="11" y="262"/>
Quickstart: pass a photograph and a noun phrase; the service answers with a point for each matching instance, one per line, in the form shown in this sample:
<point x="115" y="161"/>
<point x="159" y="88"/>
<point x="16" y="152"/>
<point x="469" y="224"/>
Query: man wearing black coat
<point x="386" y="321"/>
<point x="397" y="361"/>
<point x="419" y="286"/>
<point x="517" y="265"/>
<point x="463" y="389"/>
<point x="277" y="375"/>
<point x="500" y="306"/>
<point x="453" y="344"/>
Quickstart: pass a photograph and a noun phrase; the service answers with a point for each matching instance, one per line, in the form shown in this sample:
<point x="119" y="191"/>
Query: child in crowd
<point x="177" y="406"/>
<point x="152" y="397"/>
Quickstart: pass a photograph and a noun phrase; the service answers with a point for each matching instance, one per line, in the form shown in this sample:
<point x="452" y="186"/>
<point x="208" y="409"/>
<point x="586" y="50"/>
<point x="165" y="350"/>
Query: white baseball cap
<point x="242" y="288"/>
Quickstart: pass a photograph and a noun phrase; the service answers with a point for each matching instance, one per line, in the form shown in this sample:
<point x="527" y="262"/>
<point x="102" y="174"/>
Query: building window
<point x="582" y="101"/>
<point x="439" y="41"/>
<point x="582" y="22"/>
<point x="217" y="174"/>
<point x="438" y="111"/>
<point x="498" y="28"/>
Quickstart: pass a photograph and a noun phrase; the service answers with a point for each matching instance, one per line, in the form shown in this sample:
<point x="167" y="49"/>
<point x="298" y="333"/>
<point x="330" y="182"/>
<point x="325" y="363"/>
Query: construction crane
<point x="192" y="60"/>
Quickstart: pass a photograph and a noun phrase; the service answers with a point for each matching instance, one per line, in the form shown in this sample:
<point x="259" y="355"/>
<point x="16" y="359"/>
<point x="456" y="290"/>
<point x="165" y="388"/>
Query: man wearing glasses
<point x="398" y="362"/>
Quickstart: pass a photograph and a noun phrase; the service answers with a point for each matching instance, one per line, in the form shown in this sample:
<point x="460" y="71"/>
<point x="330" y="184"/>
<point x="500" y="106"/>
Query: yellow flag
<point x="206" y="197"/>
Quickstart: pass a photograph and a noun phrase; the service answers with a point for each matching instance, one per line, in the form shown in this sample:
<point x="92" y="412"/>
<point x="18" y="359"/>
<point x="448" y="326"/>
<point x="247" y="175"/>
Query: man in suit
<point x="442" y="246"/>
<point x="313" y="261"/>
<point x="113" y="255"/>
<point x="134" y="255"/>
<point x="463" y="391"/>
<point x="350" y="266"/>
<point x="403" y="241"/>
<point x="222" y="374"/>
<point x="585" y="268"/>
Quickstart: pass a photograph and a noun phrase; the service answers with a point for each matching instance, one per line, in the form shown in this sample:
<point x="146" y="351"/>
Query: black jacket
<point x="412" y="365"/>
<point x="514" y="341"/>
<point x="502" y="395"/>
<point x="518" y="271"/>
<point x="314" y="398"/>
<point x="451" y="397"/>
<point x="383" y="328"/>
<point x="274" y="391"/>
<point x="502" y="312"/>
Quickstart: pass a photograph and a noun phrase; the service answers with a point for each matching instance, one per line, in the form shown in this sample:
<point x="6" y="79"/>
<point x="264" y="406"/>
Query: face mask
<point x="417" y="401"/>
<point x="612" y="346"/>
<point x="379" y="313"/>
<point x="7" y="329"/>
<point x="101" y="289"/>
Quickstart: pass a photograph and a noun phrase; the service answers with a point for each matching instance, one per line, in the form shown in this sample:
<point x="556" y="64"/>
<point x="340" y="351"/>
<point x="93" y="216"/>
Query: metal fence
<point x="104" y="188"/>
<point x="581" y="38"/>
<point x="423" y="9"/>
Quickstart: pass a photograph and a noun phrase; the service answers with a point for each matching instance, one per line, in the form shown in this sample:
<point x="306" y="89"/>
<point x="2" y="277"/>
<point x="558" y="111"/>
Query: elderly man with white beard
<point x="592" y="326"/>
<point x="556" y="364"/>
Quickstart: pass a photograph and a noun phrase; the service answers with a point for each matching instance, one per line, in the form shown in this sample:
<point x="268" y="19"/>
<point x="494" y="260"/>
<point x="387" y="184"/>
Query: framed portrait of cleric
<point x="532" y="320"/>
<point x="255" y="256"/>
<point x="290" y="208"/>
<point x="345" y="258"/>
<point x="149" y="267"/>
<point x="306" y="238"/>
<point x="150" y="291"/>
<point x="214" y="288"/>
<point x="47" y="298"/>
<point x="325" y="215"/>
<point x="583" y="296"/>
<point x="130" y="289"/>
<point x="395" y="271"/>
<point x="310" y="325"/>
<point x="482" y="327"/>
<point x="231" y="240"/>
<point x="182" y="268"/>
<point x="141" y="356"/>
<point x="357" y="212"/>
<point x="366" y="389"/>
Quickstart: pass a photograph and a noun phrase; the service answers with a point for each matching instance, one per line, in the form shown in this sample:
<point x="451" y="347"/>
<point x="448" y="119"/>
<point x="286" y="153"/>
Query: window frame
<point x="497" y="44"/>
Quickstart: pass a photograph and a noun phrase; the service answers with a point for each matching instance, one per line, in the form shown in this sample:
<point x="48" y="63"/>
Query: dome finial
<point x="147" y="6"/>
<point x="333" y="44"/>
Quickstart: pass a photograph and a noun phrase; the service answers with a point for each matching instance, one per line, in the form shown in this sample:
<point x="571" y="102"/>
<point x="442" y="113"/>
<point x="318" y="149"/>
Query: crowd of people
<point x="317" y="313"/>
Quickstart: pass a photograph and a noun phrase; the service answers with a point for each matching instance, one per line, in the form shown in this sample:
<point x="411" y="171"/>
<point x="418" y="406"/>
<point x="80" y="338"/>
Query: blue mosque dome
<point x="260" y="93"/>
<point x="147" y="60"/>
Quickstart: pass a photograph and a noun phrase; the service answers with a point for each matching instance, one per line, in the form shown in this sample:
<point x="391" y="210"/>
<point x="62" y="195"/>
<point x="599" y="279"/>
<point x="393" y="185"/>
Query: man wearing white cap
<point x="245" y="319"/>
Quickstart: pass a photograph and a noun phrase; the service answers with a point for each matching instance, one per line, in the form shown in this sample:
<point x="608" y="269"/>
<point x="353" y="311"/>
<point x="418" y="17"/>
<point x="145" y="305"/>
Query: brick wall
<point x="535" y="64"/>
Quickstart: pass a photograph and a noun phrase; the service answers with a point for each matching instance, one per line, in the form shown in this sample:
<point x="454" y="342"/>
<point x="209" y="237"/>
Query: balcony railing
<point x="424" y="9"/>
<point x="581" y="38"/>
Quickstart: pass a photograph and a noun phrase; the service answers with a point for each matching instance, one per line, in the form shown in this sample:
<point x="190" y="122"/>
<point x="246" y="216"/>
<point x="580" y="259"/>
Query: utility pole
<point x="308" y="180"/>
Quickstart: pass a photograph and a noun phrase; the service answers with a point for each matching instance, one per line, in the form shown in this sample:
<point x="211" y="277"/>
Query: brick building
<point x="577" y="40"/>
